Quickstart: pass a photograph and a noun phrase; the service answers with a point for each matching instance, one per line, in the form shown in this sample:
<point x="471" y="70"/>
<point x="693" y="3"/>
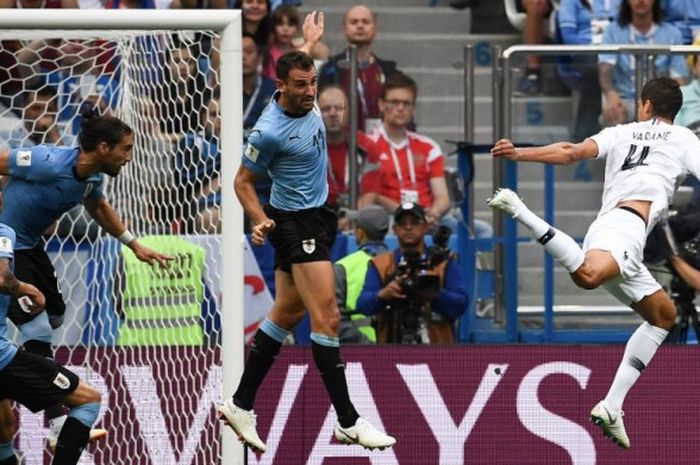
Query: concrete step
<point x="573" y="222"/>
<point x="483" y="133"/>
<point x="436" y="49"/>
<point x="399" y="19"/>
<point x="568" y="195"/>
<point x="541" y="111"/>
<point x="449" y="81"/>
<point x="531" y="286"/>
<point x="483" y="165"/>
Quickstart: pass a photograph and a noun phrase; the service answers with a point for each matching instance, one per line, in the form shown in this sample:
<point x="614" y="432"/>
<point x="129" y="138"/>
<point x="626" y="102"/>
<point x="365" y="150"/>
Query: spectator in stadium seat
<point x="184" y="93"/>
<point x="256" y="20"/>
<point x="411" y="166"/>
<point x="38" y="125"/>
<point x="285" y="27"/>
<point x="537" y="15"/>
<point x="404" y="314"/>
<point x="257" y="92"/>
<point x="689" y="114"/>
<point x="73" y="70"/>
<point x="685" y="15"/>
<point x="257" y="89"/>
<point x="360" y="29"/>
<point x="197" y="169"/>
<point x="639" y="23"/>
<point x="38" y="4"/>
<point x="333" y="105"/>
<point x="582" y="22"/>
<point x="371" y="226"/>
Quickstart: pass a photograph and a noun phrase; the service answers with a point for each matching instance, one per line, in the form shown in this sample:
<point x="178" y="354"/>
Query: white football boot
<point x="508" y="201"/>
<point x="364" y="434"/>
<point x="611" y="423"/>
<point x="243" y="423"/>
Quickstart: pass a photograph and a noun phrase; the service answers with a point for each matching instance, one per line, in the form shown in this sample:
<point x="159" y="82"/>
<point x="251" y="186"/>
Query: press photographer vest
<point x="356" y="265"/>
<point x="440" y="332"/>
<point x="162" y="307"/>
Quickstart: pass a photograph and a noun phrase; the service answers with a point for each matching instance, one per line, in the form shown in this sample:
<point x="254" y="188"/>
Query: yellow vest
<point x="162" y="307"/>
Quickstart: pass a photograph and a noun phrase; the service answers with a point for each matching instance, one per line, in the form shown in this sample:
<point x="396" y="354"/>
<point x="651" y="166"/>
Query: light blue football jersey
<point x="7" y="349"/>
<point x="43" y="186"/>
<point x="292" y="149"/>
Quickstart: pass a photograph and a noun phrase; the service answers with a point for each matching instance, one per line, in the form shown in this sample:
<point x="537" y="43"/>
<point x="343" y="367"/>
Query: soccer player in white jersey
<point x="645" y="162"/>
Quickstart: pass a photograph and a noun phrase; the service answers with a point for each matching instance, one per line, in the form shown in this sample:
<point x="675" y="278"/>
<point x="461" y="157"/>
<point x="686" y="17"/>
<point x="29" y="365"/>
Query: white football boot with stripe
<point x="611" y="423"/>
<point x="364" y="434"/>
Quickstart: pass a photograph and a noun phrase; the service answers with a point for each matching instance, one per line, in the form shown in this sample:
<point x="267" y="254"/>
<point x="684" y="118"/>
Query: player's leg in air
<point x="84" y="404"/>
<point x="287" y="310"/>
<point x="8" y="428"/>
<point x="613" y="258"/>
<point x="316" y="286"/>
<point x="34" y="266"/>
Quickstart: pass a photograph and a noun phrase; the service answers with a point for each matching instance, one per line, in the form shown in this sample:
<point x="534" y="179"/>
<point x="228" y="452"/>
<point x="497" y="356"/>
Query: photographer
<point x="675" y="244"/>
<point x="416" y="292"/>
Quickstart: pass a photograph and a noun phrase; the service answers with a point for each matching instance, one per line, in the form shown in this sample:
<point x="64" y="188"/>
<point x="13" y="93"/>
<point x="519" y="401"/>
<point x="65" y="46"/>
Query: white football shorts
<point x="623" y="234"/>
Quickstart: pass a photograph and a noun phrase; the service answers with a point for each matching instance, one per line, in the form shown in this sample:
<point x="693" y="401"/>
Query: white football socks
<point x="559" y="245"/>
<point x="639" y="351"/>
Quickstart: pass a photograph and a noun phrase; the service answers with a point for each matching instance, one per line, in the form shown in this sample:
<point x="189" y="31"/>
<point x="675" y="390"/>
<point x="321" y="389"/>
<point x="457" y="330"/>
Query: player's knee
<point x="586" y="280"/>
<point x="8" y="428"/>
<point x="332" y="323"/>
<point x="666" y="317"/>
<point x="91" y="395"/>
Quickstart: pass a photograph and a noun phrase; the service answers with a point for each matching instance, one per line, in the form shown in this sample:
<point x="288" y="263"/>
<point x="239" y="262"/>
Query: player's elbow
<point x="569" y="153"/>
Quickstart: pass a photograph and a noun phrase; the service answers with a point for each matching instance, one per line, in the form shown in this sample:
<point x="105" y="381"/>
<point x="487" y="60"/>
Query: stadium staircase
<point x="426" y="42"/>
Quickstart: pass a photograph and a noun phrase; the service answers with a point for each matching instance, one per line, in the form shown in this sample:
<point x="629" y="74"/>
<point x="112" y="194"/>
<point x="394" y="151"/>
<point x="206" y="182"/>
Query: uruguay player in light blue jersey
<point x="289" y="143"/>
<point x="34" y="381"/>
<point x="639" y="23"/>
<point x="44" y="182"/>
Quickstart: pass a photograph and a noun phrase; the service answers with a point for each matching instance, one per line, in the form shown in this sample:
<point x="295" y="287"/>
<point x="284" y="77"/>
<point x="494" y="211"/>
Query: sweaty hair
<point x="95" y="129"/>
<point x="292" y="60"/>
<point x="399" y="81"/>
<point x="665" y="96"/>
<point x="625" y="16"/>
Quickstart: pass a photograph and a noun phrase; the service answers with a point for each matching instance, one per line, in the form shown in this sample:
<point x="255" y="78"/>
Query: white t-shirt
<point x="646" y="161"/>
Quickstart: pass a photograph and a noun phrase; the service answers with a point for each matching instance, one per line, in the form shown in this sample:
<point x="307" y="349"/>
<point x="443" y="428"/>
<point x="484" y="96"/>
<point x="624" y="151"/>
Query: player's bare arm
<point x="244" y="185"/>
<point x="560" y="153"/>
<point x="4" y="161"/>
<point x="313" y="31"/>
<point x="109" y="220"/>
<point x="9" y="284"/>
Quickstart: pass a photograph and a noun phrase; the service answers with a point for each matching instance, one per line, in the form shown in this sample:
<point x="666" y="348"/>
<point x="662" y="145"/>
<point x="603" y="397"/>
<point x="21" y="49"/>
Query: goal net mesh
<point x="148" y="339"/>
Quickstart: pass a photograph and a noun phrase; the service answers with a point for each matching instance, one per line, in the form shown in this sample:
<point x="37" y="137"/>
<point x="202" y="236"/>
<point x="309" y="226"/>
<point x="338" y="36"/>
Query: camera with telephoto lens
<point x="420" y="288"/>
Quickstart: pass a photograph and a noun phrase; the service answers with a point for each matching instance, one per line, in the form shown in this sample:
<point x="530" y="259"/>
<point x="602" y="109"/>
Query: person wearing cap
<point x="371" y="226"/>
<point x="383" y="288"/>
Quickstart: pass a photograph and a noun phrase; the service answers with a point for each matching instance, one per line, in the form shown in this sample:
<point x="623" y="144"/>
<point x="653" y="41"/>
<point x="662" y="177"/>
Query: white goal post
<point x="131" y="195"/>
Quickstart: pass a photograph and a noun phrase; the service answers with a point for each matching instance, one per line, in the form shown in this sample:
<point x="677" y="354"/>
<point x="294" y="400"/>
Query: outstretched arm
<point x="109" y="220"/>
<point x="313" y="31"/>
<point x="560" y="153"/>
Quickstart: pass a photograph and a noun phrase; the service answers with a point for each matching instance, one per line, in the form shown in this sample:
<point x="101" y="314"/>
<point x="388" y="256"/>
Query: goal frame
<point x="228" y="24"/>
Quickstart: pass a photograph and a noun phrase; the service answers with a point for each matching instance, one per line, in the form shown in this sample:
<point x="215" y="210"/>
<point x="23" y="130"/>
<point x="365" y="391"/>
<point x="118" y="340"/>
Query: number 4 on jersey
<point x="631" y="161"/>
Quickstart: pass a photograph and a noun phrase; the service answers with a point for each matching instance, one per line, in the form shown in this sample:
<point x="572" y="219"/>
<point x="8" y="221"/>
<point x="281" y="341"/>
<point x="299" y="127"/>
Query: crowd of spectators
<point x="46" y="84"/>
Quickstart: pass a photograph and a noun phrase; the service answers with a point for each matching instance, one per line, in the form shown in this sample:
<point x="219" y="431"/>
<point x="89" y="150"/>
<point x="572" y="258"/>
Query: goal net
<point x="149" y="340"/>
